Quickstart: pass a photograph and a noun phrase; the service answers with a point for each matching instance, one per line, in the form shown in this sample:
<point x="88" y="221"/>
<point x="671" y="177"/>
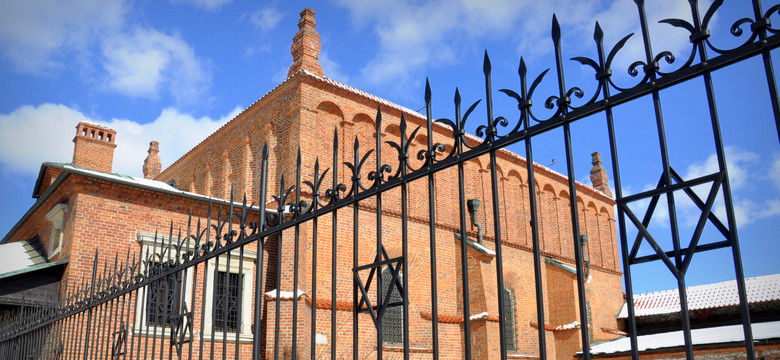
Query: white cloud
<point x="745" y="175"/>
<point x="747" y="211"/>
<point x="409" y="34"/>
<point x="266" y="18"/>
<point x="774" y="172"/>
<point x="34" y="134"/>
<point x="34" y="34"/>
<point x="332" y="69"/>
<point x="147" y="61"/>
<point x="177" y="133"/>
<point x="621" y="18"/>
<point x="206" y="4"/>
<point x="413" y="34"/>
<point x="737" y="161"/>
<point x="744" y="170"/>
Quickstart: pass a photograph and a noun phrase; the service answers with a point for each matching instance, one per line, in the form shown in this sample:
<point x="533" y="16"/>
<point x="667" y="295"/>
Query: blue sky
<point x="174" y="71"/>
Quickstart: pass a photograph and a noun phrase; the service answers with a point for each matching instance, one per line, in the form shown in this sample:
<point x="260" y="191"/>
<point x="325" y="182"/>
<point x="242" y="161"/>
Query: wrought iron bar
<point x="261" y="224"/>
<point x="226" y="293"/>
<point x="651" y="70"/>
<point x="315" y="198"/>
<point x="355" y="238"/>
<point x="603" y="74"/>
<point x="377" y="177"/>
<point x="759" y="27"/>
<point x="297" y="233"/>
<point x="464" y="261"/>
<point x="334" y="243"/>
<point x="489" y="138"/>
<point x="194" y="253"/>
<point x="726" y="186"/>
<point x="563" y="103"/>
<point x="403" y="154"/>
<point x="240" y="299"/>
<point x="207" y="246"/>
<point x="89" y="310"/>
<point x="278" y="294"/>
<point x="524" y="104"/>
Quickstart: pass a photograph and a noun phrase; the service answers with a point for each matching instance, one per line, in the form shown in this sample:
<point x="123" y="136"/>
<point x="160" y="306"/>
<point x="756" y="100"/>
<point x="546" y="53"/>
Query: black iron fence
<point x="143" y="306"/>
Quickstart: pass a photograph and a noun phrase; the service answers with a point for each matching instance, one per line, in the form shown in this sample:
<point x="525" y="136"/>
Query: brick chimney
<point x="94" y="147"/>
<point x="152" y="164"/>
<point x="306" y="46"/>
<point x="598" y="175"/>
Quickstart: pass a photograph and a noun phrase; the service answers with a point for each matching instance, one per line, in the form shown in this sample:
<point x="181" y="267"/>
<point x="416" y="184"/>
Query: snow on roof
<point x="14" y="256"/>
<point x="285" y="295"/>
<point x="103" y="126"/>
<point x="709" y="296"/>
<point x="142" y="182"/>
<point x="713" y="335"/>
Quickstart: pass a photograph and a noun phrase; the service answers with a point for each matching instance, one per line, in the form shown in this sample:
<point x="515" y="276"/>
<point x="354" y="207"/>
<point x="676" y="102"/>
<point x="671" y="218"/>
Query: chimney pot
<point x="93" y="147"/>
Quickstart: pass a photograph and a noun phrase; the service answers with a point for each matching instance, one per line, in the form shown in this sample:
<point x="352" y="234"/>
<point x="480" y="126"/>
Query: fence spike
<point x="598" y="34"/>
<point x="556" y="29"/>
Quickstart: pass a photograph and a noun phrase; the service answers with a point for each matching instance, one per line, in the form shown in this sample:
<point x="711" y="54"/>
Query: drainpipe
<point x="585" y="261"/>
<point x="473" y="205"/>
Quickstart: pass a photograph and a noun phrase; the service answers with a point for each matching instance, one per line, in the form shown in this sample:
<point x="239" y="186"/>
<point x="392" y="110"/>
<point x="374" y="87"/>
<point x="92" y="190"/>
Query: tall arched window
<point x="509" y="319"/>
<point x="393" y="320"/>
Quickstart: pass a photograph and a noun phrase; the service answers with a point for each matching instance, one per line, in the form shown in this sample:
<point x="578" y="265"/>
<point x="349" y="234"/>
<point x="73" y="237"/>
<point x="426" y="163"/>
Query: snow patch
<point x="286" y="295"/>
<point x="14" y="257"/>
<point x="482" y="315"/>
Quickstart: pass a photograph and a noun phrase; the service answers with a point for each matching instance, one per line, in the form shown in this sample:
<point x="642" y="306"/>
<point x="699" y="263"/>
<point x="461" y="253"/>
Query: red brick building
<point x="83" y="206"/>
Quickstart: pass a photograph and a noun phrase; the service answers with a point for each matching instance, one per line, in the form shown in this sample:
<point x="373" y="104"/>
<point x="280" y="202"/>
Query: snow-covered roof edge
<point x="147" y="184"/>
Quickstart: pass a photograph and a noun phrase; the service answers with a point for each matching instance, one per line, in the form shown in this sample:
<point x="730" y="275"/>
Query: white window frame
<point x="147" y="242"/>
<point x="56" y="216"/>
<point x="248" y="271"/>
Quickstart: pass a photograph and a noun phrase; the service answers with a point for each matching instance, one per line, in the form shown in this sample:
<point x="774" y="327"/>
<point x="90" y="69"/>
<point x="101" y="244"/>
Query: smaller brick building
<point x="715" y="318"/>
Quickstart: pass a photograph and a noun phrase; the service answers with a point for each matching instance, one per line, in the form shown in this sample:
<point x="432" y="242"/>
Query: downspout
<point x="473" y="205"/>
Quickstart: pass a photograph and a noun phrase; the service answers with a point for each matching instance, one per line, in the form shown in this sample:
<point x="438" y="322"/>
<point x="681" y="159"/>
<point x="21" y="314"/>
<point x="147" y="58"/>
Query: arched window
<point x="393" y="320"/>
<point x="509" y="319"/>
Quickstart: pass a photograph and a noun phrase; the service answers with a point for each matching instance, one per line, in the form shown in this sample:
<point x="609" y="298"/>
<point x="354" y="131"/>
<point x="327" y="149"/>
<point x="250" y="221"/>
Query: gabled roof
<point x="722" y="294"/>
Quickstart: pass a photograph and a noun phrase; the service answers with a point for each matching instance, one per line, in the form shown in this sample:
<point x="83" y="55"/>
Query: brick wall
<point x="304" y="112"/>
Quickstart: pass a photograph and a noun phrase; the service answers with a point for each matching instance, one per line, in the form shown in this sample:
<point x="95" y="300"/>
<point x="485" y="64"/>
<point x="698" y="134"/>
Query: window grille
<point x="509" y="319"/>
<point x="226" y="287"/>
<point x="393" y="320"/>
<point x="163" y="299"/>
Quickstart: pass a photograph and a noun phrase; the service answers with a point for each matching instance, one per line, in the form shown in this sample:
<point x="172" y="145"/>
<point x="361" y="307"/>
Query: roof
<point x="706" y="336"/>
<point x="709" y="296"/>
<point x="141" y="183"/>
<point x="20" y="255"/>
<point x="31" y="269"/>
